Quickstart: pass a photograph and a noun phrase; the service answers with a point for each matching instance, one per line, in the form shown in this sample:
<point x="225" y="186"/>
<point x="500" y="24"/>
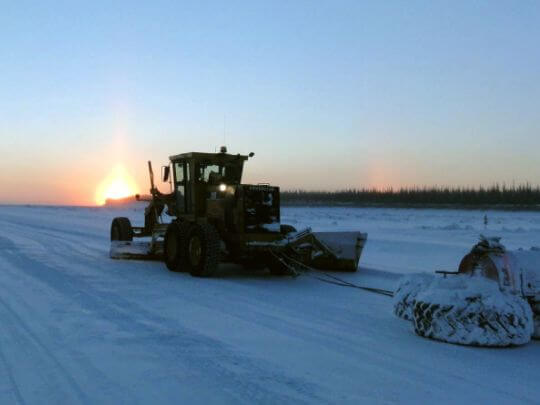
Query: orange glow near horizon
<point x="379" y="176"/>
<point x="117" y="185"/>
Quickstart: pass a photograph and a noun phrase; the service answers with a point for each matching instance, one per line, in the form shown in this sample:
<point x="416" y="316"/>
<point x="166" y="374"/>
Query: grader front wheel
<point x="202" y="250"/>
<point x="121" y="229"/>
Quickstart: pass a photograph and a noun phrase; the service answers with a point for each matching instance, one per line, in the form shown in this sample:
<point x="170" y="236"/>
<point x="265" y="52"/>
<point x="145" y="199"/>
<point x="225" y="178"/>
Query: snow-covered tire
<point x="406" y="292"/>
<point x="472" y="311"/>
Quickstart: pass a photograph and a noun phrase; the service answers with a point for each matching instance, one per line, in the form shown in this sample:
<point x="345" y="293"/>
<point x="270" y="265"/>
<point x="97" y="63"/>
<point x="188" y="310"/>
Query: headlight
<point x="222" y="187"/>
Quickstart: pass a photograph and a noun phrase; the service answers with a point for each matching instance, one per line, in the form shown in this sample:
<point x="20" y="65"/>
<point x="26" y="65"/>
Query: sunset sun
<point x="117" y="185"/>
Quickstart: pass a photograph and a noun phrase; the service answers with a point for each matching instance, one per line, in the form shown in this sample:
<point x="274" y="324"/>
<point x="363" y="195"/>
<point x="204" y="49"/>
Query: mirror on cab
<point x="165" y="172"/>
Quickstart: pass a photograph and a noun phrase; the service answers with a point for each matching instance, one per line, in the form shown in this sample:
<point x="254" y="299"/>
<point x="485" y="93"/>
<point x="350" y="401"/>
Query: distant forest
<point x="516" y="197"/>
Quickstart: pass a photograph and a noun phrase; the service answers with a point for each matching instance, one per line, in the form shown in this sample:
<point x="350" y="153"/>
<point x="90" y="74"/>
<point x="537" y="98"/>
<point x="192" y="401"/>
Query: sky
<point x="328" y="94"/>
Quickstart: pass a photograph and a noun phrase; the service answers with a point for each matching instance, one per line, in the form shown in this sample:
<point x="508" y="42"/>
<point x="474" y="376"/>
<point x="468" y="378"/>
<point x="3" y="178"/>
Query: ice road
<point x="78" y="327"/>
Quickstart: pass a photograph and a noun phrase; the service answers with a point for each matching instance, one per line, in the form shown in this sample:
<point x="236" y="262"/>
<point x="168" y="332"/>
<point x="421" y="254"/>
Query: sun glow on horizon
<point x="117" y="185"/>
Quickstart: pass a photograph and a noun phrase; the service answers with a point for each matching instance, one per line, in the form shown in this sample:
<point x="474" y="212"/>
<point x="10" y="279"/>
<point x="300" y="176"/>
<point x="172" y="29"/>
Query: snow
<point x="448" y="290"/>
<point x="79" y="327"/>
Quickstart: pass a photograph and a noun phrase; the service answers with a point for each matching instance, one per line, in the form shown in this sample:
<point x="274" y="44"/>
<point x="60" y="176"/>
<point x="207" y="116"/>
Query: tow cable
<point x="306" y="270"/>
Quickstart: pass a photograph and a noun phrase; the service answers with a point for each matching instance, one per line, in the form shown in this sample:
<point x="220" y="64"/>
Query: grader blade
<point x="341" y="250"/>
<point x="134" y="250"/>
<point x="327" y="250"/>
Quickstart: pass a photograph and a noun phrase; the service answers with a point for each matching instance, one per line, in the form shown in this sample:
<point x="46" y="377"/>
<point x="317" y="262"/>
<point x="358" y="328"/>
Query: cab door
<point x="180" y="187"/>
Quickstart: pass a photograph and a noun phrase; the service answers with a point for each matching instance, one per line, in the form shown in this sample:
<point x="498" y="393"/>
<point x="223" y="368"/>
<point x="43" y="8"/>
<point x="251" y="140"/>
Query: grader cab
<point x="213" y="217"/>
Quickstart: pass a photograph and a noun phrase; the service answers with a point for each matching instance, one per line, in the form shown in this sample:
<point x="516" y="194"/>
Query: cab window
<point x="211" y="174"/>
<point x="180" y="186"/>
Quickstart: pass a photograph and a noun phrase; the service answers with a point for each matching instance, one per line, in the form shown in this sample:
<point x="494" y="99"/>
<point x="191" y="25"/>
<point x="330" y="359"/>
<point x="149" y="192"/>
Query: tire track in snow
<point x="95" y="375"/>
<point x="202" y="353"/>
<point x="267" y="316"/>
<point x="254" y="315"/>
<point x="12" y="380"/>
<point x="37" y="355"/>
<point x="300" y="328"/>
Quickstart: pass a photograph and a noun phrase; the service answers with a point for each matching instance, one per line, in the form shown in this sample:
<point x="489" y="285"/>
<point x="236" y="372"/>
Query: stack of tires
<point x="464" y="309"/>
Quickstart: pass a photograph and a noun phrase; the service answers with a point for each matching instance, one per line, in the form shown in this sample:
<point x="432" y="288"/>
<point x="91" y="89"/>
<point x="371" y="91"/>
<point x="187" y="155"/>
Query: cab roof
<point x="202" y="156"/>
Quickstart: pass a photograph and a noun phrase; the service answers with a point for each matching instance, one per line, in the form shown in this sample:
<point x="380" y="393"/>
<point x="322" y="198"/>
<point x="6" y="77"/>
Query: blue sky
<point x="327" y="94"/>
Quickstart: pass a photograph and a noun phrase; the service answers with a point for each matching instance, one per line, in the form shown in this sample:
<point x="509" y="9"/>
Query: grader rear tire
<point x="121" y="229"/>
<point x="172" y="247"/>
<point x="202" y="250"/>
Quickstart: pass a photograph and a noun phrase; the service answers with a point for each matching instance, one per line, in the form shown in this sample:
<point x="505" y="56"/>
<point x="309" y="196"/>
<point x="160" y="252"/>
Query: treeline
<point x="516" y="196"/>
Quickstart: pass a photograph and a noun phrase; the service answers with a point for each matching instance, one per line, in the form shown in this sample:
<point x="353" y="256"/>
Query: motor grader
<point x="211" y="217"/>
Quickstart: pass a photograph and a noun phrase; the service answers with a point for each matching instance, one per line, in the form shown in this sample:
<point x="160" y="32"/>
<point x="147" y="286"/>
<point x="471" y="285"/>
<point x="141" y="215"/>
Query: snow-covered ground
<point x="78" y="327"/>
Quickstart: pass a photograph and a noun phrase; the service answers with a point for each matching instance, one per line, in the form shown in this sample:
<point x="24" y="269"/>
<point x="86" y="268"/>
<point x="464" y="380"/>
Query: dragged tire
<point x="472" y="311"/>
<point x="407" y="290"/>
<point x="202" y="250"/>
<point x="121" y="229"/>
